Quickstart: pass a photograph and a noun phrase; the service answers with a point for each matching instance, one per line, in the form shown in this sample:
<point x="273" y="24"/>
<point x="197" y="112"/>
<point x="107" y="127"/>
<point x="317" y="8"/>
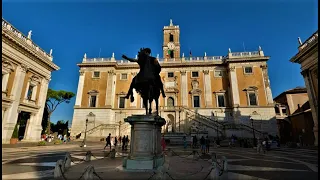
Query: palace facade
<point x="26" y="72"/>
<point x="202" y="92"/>
<point x="308" y="58"/>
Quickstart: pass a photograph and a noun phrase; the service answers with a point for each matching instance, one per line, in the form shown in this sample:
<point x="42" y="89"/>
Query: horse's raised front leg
<point x="145" y="103"/>
<point x="157" y="106"/>
<point x="150" y="106"/>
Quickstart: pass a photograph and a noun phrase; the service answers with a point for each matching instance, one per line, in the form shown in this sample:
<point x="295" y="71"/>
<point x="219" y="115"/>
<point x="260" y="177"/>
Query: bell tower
<point x="171" y="41"/>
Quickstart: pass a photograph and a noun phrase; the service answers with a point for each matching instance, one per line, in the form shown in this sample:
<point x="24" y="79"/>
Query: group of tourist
<point x="124" y="141"/>
<point x="50" y="137"/>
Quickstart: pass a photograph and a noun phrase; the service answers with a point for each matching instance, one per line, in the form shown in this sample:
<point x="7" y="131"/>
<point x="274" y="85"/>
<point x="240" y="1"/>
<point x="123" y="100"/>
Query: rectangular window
<point x="30" y="90"/>
<point x="277" y="110"/>
<point x="252" y="99"/>
<point x="170" y="74"/>
<point x="124" y="76"/>
<point x="96" y="74"/>
<point x="196" y="101"/>
<point x="248" y="70"/>
<point x="284" y="111"/>
<point x="221" y="101"/>
<point x="218" y="73"/>
<point x="195" y="74"/>
<point x="122" y="101"/>
<point x="93" y="100"/>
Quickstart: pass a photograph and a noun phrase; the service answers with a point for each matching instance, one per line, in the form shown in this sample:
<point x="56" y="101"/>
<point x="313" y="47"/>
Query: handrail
<point x="207" y="124"/>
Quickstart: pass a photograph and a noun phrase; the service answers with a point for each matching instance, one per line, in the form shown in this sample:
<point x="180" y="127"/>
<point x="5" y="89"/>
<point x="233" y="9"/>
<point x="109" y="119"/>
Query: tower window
<point x="171" y="38"/>
<point x="171" y="54"/>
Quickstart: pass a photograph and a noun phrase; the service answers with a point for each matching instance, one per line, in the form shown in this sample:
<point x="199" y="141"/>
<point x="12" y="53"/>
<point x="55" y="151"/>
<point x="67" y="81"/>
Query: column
<point x="110" y="86"/>
<point x="34" y="129"/>
<point x="5" y="82"/>
<point x="266" y="84"/>
<point x="113" y="92"/>
<point x="184" y="89"/>
<point x="207" y="88"/>
<point x="80" y="89"/>
<point x="234" y="86"/>
<point x="312" y="99"/>
<point x="11" y="117"/>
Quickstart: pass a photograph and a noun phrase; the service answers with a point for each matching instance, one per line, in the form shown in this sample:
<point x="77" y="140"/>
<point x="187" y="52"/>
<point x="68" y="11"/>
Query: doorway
<point x="23" y="118"/>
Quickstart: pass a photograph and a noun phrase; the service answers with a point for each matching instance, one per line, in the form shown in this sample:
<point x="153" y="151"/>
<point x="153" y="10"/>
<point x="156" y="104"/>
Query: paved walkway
<point x="242" y="164"/>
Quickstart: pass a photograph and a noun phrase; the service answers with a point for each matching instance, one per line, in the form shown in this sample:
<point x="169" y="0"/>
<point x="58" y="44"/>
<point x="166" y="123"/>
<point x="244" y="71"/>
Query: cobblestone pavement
<point x="39" y="161"/>
<point x="284" y="163"/>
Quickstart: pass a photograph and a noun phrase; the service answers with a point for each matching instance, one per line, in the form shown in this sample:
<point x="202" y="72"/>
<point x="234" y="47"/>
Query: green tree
<point x="54" y="98"/>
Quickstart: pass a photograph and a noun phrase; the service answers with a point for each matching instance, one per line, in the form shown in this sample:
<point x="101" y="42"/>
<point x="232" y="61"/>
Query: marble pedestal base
<point x="145" y="144"/>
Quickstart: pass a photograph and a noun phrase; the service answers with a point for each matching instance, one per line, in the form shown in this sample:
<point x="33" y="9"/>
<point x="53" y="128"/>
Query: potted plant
<point x="14" y="137"/>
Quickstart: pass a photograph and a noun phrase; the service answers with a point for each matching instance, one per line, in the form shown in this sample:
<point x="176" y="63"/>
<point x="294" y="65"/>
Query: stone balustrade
<point x="183" y="59"/>
<point x="309" y="41"/>
<point x="7" y="26"/>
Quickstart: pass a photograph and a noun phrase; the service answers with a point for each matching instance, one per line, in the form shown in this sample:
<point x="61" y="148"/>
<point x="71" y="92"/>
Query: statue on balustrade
<point x="147" y="82"/>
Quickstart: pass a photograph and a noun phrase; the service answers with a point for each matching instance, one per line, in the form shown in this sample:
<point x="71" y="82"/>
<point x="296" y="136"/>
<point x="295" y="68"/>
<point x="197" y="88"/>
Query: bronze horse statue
<point x="147" y="82"/>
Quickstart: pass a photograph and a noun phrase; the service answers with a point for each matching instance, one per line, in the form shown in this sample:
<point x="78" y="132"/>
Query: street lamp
<point x="179" y="118"/>
<point x="85" y="135"/>
<point x="254" y="135"/>
<point x="91" y="118"/>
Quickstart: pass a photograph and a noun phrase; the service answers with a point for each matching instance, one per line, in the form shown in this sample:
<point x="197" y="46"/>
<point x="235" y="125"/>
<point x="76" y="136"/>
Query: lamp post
<point x="254" y="135"/>
<point x="85" y="135"/>
<point x="179" y="118"/>
<point x="90" y="116"/>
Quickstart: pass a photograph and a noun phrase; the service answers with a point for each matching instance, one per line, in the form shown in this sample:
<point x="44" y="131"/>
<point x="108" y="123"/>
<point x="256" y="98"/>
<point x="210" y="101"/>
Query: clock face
<point x="171" y="46"/>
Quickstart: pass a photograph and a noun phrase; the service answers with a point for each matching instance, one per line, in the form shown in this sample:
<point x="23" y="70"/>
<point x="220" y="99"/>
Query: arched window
<point x="170" y="102"/>
<point x="171" y="38"/>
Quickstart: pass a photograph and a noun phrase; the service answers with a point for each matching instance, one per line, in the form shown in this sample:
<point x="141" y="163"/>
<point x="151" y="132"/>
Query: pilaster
<point x="207" y="88"/>
<point x="266" y="84"/>
<point x="80" y="88"/>
<point x="184" y="88"/>
<point x="10" y="119"/>
<point x="234" y="86"/>
<point x="312" y="101"/>
<point x="110" y="88"/>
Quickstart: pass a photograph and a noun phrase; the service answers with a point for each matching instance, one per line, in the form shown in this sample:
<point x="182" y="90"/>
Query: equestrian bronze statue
<point x="148" y="81"/>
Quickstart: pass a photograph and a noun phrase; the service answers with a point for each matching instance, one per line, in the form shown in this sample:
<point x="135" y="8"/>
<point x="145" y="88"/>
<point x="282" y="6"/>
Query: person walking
<point x="127" y="142"/>
<point x="184" y="142"/>
<point x="203" y="145"/>
<point x="207" y="144"/>
<point x="163" y="143"/>
<point x="123" y="142"/>
<point x="108" y="139"/>
<point x="115" y="141"/>
<point x="120" y="140"/>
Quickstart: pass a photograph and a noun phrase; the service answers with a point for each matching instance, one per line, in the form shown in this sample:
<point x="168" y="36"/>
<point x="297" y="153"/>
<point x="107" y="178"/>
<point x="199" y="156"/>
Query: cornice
<point x="9" y="38"/>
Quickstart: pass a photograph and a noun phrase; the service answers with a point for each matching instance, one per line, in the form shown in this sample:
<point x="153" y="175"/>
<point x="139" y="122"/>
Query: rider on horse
<point x="149" y="72"/>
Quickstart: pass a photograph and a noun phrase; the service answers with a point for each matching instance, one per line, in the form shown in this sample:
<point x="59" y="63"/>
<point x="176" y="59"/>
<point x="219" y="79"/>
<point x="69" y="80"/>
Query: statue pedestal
<point x="145" y="145"/>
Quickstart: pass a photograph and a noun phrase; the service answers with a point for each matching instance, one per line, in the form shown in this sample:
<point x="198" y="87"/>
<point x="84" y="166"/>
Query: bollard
<point x="67" y="161"/>
<point x="88" y="175"/>
<point x="112" y="154"/>
<point x="169" y="152"/>
<point x="57" y="171"/>
<point x="213" y="157"/>
<point x="194" y="155"/>
<point x="214" y="174"/>
<point x="88" y="156"/>
<point x="224" y="163"/>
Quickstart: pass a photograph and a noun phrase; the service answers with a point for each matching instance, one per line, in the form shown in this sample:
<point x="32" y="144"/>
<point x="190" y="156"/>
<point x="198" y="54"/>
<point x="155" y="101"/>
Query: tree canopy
<point x="54" y="98"/>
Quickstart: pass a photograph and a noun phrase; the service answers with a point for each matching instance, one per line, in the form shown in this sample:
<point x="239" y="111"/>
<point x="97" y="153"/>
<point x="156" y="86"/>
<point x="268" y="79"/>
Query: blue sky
<point x="73" y="28"/>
